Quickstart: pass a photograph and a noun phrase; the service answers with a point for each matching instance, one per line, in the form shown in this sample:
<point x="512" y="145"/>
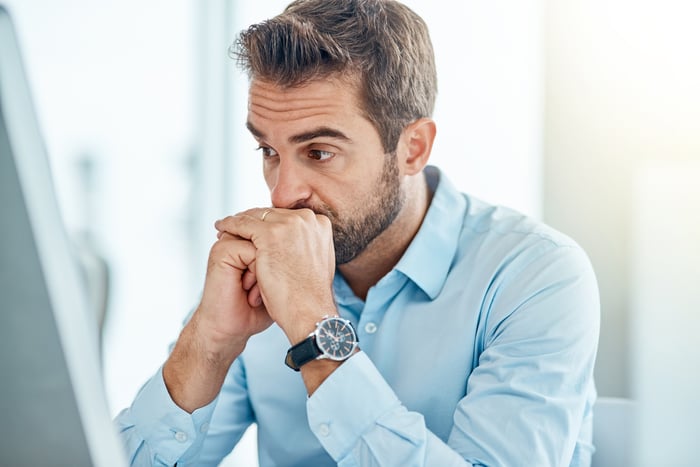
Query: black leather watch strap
<point x="302" y="353"/>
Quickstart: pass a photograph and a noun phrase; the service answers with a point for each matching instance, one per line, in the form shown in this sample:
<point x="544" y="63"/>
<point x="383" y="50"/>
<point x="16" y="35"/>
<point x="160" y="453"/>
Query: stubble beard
<point x="372" y="216"/>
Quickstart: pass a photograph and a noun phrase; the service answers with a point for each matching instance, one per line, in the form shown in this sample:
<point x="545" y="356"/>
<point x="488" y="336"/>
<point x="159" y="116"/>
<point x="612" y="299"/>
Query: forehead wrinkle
<point x="284" y="98"/>
<point x="289" y="105"/>
<point x="308" y="110"/>
<point x="263" y="116"/>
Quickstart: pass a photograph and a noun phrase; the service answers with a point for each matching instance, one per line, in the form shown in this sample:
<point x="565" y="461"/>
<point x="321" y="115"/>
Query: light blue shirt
<point x="477" y="349"/>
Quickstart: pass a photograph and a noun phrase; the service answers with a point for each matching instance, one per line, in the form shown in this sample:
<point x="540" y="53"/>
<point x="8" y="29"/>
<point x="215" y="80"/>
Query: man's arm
<point x="156" y="432"/>
<point x="170" y="416"/>
<point x="525" y="400"/>
<point x="219" y="328"/>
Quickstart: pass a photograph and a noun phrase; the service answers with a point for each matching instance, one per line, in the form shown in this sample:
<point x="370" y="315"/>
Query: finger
<point x="260" y="214"/>
<point x="255" y="297"/>
<point x="249" y="279"/>
<point x="234" y="252"/>
<point x="222" y="233"/>
<point x="246" y="224"/>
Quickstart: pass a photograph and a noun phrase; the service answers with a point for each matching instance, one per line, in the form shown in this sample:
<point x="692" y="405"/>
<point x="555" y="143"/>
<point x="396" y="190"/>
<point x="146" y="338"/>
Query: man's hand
<point x="293" y="273"/>
<point x="293" y="267"/>
<point x="220" y="327"/>
<point x="227" y="314"/>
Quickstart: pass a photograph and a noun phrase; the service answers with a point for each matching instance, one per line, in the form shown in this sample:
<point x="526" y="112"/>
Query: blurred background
<point x="582" y="113"/>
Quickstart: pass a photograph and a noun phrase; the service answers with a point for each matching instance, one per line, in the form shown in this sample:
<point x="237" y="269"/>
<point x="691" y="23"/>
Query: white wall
<point x="489" y="109"/>
<point x="622" y="91"/>
<point x="666" y="324"/>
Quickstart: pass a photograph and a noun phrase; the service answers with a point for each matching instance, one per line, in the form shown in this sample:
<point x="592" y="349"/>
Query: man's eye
<point x="319" y="155"/>
<point x="267" y="152"/>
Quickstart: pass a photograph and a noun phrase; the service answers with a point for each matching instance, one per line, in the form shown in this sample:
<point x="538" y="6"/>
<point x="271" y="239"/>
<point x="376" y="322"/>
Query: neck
<point x="385" y="251"/>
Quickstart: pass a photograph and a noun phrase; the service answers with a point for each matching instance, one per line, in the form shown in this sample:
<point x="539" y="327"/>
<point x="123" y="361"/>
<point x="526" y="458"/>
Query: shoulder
<point x="501" y="236"/>
<point x="487" y="220"/>
<point x="527" y="269"/>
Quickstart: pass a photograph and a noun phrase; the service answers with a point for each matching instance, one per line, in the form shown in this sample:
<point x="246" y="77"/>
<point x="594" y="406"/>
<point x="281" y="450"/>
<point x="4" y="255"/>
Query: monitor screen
<point x="52" y="400"/>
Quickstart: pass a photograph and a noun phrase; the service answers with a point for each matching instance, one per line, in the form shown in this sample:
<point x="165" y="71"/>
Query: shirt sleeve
<point x="533" y="385"/>
<point x="526" y="398"/>
<point x="156" y="432"/>
<point x="359" y="421"/>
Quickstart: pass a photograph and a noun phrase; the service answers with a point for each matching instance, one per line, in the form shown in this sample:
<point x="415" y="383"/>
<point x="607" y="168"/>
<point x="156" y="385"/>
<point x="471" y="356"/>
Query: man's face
<point x="320" y="152"/>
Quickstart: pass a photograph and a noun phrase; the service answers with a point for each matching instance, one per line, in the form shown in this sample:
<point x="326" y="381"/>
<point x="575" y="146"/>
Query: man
<point x="477" y="326"/>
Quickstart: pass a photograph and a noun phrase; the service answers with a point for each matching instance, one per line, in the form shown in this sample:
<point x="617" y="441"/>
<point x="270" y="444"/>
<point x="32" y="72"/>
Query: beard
<point x="372" y="215"/>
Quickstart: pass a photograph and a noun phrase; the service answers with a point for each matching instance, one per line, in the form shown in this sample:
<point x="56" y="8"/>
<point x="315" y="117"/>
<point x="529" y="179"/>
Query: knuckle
<point x="323" y="220"/>
<point x="307" y="213"/>
<point x="278" y="232"/>
<point x="301" y="220"/>
<point x="224" y="224"/>
<point x="217" y="249"/>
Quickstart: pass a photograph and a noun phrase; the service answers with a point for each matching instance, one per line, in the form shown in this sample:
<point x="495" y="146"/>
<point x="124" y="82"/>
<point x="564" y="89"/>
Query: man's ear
<point x="417" y="139"/>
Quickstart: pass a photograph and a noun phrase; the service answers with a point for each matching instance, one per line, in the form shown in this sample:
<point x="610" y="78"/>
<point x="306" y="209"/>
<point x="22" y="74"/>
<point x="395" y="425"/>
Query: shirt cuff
<point x="348" y="404"/>
<point x="168" y="430"/>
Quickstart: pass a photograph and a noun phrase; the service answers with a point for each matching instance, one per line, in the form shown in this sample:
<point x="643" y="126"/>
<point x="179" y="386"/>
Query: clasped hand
<point x="277" y="267"/>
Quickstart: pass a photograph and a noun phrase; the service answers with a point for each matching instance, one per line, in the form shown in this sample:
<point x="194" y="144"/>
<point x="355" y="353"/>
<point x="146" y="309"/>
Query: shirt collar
<point x="427" y="259"/>
<point x="429" y="256"/>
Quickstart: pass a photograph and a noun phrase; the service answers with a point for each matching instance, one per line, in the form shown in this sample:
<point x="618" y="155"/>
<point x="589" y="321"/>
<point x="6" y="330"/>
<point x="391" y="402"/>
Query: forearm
<point x="402" y="436"/>
<point x="197" y="366"/>
<point x="364" y="423"/>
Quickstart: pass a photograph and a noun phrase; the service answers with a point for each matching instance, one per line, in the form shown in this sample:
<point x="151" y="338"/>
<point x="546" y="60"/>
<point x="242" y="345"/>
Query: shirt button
<point x="370" y="328"/>
<point x="324" y="430"/>
<point x="181" y="436"/>
<point x="204" y="428"/>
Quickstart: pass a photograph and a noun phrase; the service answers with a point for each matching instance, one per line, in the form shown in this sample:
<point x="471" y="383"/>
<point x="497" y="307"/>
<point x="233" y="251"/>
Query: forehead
<point x="328" y="101"/>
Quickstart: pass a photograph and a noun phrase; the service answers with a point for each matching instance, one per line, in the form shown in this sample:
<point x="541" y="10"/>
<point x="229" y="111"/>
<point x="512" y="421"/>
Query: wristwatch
<point x="334" y="338"/>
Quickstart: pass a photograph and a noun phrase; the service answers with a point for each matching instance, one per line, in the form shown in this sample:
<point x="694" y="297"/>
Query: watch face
<point x="336" y="338"/>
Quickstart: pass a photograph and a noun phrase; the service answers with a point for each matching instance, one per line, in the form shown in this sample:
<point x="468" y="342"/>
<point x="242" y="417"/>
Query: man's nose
<point x="289" y="185"/>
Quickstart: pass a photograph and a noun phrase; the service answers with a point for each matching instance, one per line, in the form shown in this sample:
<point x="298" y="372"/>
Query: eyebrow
<point x="319" y="132"/>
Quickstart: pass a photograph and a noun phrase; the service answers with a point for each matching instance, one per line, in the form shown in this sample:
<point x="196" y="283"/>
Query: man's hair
<point x="381" y="46"/>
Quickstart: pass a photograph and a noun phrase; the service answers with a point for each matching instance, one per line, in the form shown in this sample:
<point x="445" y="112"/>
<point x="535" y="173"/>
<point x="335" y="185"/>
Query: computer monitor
<point x="52" y="401"/>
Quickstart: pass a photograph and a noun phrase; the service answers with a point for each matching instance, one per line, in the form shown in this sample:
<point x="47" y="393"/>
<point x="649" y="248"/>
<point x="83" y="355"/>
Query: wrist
<point x="210" y="341"/>
<point x="305" y="326"/>
<point x="195" y="370"/>
<point x="312" y="311"/>
<point x="334" y="338"/>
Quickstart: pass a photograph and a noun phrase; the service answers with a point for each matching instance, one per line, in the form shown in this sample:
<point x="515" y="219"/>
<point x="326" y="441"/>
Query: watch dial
<point x="336" y="338"/>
